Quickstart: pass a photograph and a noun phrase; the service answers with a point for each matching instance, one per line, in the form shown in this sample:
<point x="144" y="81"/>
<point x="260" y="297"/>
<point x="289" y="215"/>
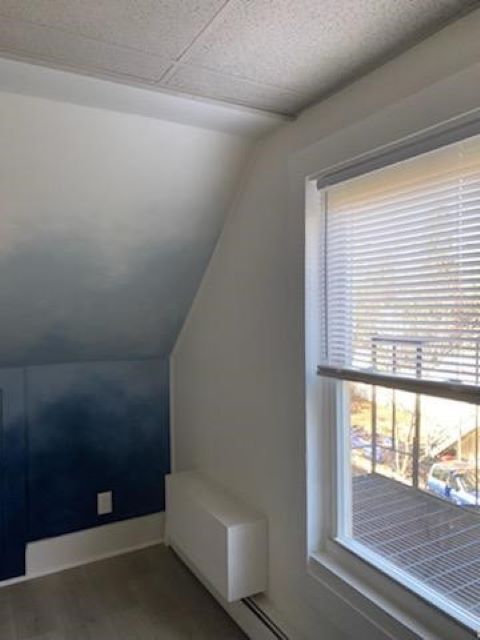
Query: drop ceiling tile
<point x="312" y="46"/>
<point x="213" y="85"/>
<point x="163" y="27"/>
<point x="63" y="49"/>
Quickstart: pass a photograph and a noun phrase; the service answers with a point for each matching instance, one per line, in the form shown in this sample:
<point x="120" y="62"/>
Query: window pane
<point x="383" y="431"/>
<point x="414" y="487"/>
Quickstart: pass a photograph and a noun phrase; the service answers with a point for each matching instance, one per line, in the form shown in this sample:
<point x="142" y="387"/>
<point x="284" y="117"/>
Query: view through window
<point x="415" y="486"/>
<point x="421" y="441"/>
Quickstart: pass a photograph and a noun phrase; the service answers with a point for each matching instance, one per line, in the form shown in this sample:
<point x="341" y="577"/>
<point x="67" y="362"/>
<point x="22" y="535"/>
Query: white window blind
<point x="401" y="295"/>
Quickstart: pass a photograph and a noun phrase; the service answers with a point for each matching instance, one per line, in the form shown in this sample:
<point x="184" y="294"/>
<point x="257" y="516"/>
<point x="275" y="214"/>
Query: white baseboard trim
<point x="82" y="547"/>
<point x="63" y="552"/>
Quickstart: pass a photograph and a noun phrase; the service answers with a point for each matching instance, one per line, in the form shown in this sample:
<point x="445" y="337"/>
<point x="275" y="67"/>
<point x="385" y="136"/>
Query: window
<point x="399" y="317"/>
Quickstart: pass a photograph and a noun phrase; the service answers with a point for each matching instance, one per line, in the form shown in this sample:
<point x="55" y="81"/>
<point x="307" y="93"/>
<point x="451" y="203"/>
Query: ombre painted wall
<point x="107" y="221"/>
<point x="71" y="431"/>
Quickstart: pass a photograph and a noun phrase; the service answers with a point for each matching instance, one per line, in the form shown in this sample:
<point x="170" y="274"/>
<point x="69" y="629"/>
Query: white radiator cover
<point x="224" y="540"/>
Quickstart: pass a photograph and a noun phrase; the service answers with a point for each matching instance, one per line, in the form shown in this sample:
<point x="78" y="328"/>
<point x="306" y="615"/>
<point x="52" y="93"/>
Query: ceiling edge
<point x="24" y="76"/>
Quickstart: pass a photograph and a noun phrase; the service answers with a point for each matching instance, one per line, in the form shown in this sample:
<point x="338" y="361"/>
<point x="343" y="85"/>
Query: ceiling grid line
<point x="202" y="31"/>
<point x="176" y="62"/>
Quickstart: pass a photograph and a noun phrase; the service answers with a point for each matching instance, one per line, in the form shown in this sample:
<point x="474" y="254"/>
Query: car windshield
<point x="468" y="481"/>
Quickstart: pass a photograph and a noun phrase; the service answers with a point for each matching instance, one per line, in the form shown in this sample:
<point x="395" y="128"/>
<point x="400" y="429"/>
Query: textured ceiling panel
<point x="157" y="26"/>
<point x="276" y="55"/>
<point x="214" y="85"/>
<point x="310" y="46"/>
<point x="63" y="49"/>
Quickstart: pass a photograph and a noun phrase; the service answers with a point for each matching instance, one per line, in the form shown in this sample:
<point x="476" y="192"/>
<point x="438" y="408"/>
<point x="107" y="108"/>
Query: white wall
<point x="107" y="221"/>
<point x="239" y="382"/>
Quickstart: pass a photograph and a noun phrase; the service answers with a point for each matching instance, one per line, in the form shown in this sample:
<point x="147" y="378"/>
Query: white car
<point x="454" y="481"/>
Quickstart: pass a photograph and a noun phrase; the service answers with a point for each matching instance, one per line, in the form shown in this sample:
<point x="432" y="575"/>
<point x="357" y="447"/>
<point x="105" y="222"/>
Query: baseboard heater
<point x="225" y="540"/>
<point x="249" y="603"/>
<point x="265" y="619"/>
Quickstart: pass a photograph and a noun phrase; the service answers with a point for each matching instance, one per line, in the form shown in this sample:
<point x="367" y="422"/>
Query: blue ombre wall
<point x="107" y="222"/>
<point x="95" y="427"/>
<point x="13" y="479"/>
<point x="71" y="431"/>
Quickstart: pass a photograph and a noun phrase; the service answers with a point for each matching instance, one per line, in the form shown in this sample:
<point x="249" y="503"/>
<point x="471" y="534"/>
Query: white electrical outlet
<point x="104" y="503"/>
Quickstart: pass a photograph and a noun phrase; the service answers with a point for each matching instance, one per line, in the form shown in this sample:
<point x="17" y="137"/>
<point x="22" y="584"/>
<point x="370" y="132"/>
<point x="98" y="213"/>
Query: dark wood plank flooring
<point x="145" y="595"/>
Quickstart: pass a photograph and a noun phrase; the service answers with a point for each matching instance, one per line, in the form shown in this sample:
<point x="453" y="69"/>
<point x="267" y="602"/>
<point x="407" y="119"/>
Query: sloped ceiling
<point x="107" y="221"/>
<point x="276" y="55"/>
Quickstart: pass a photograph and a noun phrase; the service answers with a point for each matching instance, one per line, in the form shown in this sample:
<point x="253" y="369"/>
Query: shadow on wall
<point x="92" y="431"/>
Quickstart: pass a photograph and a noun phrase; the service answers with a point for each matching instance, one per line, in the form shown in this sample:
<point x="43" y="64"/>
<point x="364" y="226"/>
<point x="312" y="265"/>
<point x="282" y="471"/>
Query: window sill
<point x="377" y="595"/>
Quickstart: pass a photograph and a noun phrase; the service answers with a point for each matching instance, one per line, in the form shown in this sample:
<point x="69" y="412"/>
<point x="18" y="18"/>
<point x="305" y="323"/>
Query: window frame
<point x="361" y="578"/>
<point x="410" y="607"/>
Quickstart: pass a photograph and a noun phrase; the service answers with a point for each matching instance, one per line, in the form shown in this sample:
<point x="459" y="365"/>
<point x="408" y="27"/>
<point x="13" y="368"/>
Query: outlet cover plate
<point x="104" y="503"/>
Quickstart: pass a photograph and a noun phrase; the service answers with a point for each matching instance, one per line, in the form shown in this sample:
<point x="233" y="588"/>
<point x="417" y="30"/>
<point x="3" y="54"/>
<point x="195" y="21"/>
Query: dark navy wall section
<point x="95" y="427"/>
<point x="68" y="432"/>
<point x="13" y="471"/>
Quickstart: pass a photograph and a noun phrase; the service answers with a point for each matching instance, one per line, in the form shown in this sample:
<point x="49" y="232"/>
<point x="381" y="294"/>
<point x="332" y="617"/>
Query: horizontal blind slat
<point x="402" y="271"/>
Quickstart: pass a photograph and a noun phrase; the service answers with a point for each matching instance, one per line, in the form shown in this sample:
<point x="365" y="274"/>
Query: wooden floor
<point x="146" y="595"/>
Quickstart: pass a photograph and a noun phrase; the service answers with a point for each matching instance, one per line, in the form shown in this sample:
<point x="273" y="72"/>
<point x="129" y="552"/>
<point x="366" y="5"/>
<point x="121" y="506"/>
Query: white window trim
<point x="362" y="578"/>
<point x="370" y="585"/>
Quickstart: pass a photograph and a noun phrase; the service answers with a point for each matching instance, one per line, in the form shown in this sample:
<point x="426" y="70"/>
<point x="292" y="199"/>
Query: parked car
<point x="455" y="481"/>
